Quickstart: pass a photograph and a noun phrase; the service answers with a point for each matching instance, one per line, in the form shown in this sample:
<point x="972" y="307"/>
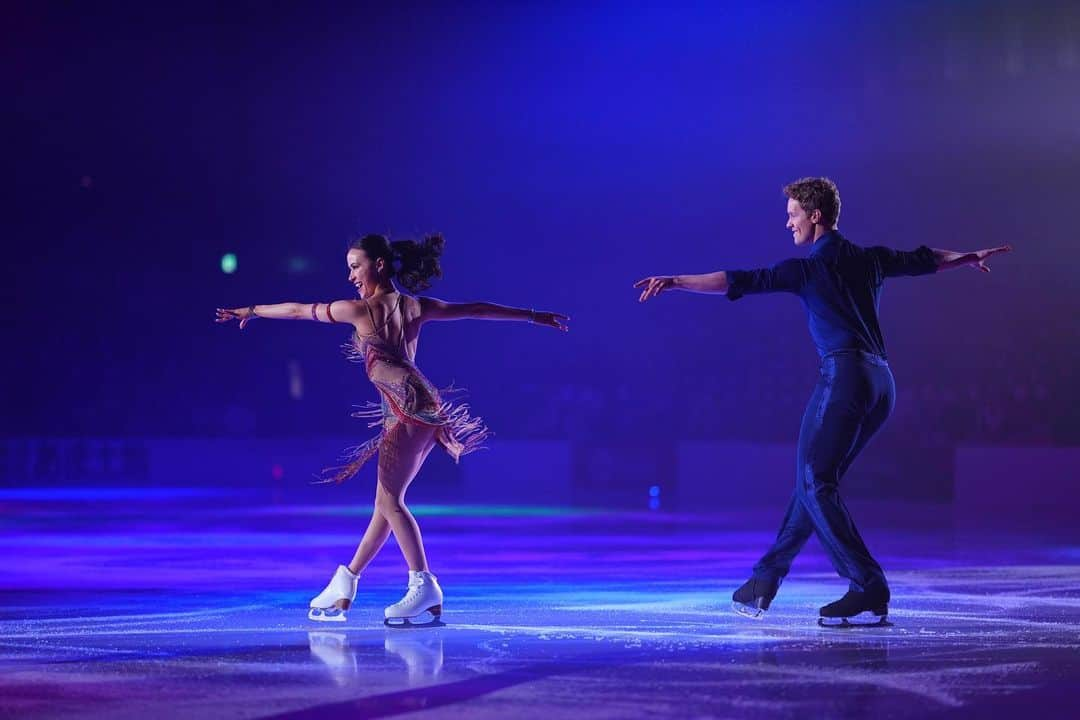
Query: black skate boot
<point x="754" y="597"/>
<point x="857" y="609"/>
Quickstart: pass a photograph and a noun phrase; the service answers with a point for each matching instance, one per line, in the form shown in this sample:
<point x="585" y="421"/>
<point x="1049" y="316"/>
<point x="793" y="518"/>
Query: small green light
<point x="228" y="263"/>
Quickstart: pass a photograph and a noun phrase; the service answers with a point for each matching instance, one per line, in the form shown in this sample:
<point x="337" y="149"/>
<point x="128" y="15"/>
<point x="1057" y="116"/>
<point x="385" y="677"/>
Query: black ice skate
<point x="754" y="597"/>
<point x="857" y="609"/>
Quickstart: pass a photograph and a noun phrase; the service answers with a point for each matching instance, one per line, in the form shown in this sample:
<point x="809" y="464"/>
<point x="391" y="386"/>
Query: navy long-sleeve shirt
<point x="840" y="286"/>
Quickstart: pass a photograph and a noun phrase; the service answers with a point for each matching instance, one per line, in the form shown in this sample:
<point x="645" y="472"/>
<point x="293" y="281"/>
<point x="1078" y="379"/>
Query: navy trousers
<point x="854" y="396"/>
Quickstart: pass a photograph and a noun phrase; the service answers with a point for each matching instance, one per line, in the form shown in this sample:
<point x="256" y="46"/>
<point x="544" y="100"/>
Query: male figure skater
<point x="840" y="286"/>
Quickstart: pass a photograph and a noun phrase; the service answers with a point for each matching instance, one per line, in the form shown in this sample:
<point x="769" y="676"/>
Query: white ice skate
<point x="422" y="604"/>
<point x="331" y="604"/>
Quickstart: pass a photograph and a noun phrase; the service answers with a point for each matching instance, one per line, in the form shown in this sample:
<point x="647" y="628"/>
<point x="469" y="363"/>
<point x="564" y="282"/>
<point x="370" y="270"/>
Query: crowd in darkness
<point x="1029" y="400"/>
<point x="1006" y="395"/>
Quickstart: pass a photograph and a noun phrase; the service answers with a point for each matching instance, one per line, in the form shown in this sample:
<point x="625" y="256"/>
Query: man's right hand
<point x="654" y="286"/>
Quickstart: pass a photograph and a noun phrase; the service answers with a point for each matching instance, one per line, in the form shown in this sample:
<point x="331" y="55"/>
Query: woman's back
<point x="390" y="325"/>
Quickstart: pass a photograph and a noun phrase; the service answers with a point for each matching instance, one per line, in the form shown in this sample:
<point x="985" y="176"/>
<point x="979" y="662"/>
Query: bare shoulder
<point x="424" y="302"/>
<point x="429" y="308"/>
<point x="348" y="307"/>
<point x="354" y="312"/>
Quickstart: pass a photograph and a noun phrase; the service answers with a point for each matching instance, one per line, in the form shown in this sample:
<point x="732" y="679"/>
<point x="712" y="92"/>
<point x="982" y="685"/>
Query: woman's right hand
<point x="551" y="319"/>
<point x="244" y="315"/>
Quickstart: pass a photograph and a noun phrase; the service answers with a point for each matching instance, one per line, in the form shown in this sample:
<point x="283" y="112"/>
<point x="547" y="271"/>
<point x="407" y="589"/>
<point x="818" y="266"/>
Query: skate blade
<point x="866" y="619"/>
<point x="750" y="611"/>
<point x="326" y="615"/>
<point x="432" y="617"/>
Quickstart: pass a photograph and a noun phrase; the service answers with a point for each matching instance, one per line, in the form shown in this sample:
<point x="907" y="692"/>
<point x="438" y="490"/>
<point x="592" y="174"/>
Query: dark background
<point x="564" y="151"/>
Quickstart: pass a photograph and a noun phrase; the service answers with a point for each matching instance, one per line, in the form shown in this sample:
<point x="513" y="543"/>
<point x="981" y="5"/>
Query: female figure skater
<point x="413" y="414"/>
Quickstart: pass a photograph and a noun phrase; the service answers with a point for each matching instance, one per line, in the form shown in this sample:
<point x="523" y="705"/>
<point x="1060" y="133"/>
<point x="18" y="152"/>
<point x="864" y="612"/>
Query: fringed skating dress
<point x="406" y="397"/>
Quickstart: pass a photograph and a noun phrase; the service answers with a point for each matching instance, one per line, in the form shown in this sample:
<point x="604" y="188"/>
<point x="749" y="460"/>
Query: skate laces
<point x="419" y="579"/>
<point x="414" y="591"/>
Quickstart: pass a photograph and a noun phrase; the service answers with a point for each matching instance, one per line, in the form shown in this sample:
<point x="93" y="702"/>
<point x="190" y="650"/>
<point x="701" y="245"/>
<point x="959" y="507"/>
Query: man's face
<point x="800" y="223"/>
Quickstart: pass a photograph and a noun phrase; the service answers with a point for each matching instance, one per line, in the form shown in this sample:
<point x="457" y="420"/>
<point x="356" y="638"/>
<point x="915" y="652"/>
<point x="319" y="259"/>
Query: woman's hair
<point x="413" y="264"/>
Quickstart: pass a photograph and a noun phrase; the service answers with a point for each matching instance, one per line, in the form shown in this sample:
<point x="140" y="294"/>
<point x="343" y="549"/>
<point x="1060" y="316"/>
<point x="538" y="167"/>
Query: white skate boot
<point x="422" y="604"/>
<point x="331" y="604"/>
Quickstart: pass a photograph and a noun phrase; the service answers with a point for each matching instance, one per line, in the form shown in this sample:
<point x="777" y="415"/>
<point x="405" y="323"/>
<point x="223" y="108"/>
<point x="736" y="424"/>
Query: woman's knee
<point x="388" y="503"/>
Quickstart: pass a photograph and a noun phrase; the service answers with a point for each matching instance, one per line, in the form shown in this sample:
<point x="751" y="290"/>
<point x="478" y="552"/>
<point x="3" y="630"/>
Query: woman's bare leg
<point x="378" y="530"/>
<point x="400" y="457"/>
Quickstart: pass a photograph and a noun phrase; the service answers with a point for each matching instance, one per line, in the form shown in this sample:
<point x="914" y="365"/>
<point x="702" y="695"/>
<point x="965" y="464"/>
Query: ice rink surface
<point x="192" y="604"/>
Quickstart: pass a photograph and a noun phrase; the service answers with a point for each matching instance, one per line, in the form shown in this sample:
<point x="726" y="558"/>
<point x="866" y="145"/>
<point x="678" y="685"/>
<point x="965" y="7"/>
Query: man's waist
<point x="855" y="354"/>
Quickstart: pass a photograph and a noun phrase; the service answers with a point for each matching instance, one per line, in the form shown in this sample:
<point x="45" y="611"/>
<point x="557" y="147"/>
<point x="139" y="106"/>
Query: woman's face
<point x="363" y="274"/>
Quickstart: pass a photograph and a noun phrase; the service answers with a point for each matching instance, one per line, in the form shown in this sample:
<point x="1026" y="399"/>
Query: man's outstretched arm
<point x="714" y="282"/>
<point x="927" y="261"/>
<point x="785" y="276"/>
<point x="949" y="259"/>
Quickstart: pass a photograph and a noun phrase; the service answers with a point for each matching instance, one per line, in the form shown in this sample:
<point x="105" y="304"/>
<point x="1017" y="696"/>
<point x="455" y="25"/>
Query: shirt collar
<point x="829" y="238"/>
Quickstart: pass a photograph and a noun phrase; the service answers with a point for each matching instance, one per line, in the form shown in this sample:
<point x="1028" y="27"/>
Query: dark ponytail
<point x="413" y="264"/>
<point x="418" y="262"/>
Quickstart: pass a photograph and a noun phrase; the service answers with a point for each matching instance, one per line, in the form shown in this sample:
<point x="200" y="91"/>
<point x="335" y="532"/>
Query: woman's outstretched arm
<point x="434" y="309"/>
<point x="338" y="311"/>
